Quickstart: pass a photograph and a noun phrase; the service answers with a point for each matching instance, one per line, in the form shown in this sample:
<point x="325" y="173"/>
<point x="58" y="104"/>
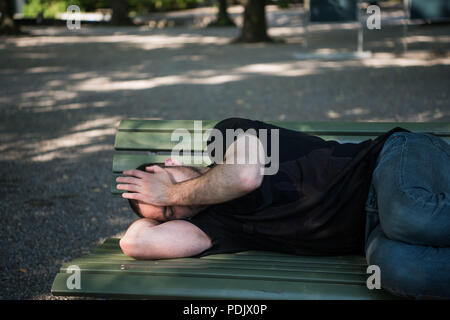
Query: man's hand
<point x="152" y="187"/>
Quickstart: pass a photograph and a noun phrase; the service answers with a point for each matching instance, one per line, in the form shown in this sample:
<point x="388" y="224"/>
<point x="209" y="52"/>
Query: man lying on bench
<point x="388" y="198"/>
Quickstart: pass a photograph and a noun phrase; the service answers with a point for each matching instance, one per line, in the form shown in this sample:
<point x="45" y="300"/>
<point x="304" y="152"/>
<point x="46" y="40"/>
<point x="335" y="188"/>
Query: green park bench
<point x="107" y="272"/>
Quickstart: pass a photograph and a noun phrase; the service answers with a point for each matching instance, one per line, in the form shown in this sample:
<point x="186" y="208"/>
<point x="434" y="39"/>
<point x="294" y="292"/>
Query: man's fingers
<point x="154" y="169"/>
<point x="132" y="195"/>
<point x="136" y="173"/>
<point x="128" y="187"/>
<point x="129" y="180"/>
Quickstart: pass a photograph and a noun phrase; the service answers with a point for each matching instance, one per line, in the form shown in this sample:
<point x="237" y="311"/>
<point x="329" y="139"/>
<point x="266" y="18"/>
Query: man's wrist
<point x="172" y="197"/>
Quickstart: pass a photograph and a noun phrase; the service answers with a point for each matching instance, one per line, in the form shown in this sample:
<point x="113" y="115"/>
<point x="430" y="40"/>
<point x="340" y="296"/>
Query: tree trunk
<point x="255" y="26"/>
<point x="223" y="19"/>
<point x="120" y="12"/>
<point x="7" y="24"/>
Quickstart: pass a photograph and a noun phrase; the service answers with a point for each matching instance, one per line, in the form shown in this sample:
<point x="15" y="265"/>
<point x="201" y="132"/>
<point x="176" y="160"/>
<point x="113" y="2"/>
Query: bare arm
<point x="222" y="183"/>
<point x="149" y="239"/>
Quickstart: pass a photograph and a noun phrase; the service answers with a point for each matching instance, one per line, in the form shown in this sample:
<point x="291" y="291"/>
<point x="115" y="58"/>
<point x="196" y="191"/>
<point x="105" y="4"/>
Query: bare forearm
<point x="222" y="183"/>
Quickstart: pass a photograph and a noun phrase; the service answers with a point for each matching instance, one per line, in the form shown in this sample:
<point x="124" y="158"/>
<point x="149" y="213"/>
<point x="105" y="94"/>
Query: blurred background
<point x="67" y="77"/>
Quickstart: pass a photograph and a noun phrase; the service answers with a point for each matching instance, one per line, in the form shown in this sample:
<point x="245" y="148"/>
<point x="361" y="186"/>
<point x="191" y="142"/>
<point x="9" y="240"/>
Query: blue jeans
<point x="408" y="216"/>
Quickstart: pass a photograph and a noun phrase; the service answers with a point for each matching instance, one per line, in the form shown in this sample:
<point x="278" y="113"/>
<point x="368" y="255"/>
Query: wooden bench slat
<point x="231" y="273"/>
<point x="111" y="252"/>
<point x="119" y="258"/>
<point x="160" y="141"/>
<point x="126" y="140"/>
<point x="161" y="125"/>
<point x="336" y="128"/>
<point x="122" y="161"/>
<point x="176" y="286"/>
<point x="212" y="264"/>
<point x="112" y="245"/>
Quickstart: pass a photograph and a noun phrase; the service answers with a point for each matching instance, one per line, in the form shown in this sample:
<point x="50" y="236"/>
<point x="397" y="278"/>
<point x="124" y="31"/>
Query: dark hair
<point x="134" y="207"/>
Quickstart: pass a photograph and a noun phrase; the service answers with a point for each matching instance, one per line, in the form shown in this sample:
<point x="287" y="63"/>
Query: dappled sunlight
<point x="205" y="77"/>
<point x="279" y="69"/>
<point x="81" y="75"/>
<point x="87" y="137"/>
<point x="147" y="41"/>
<point x="350" y="112"/>
<point x="54" y="94"/>
<point x="427" y="39"/>
<point x="72" y="106"/>
<point x="426" y="116"/>
<point x="45" y="69"/>
<point x="82" y="136"/>
<point x="131" y="75"/>
<point x="282" y="69"/>
<point x="415" y="43"/>
<point x="333" y="114"/>
<point x="105" y="83"/>
<point x="44" y="98"/>
<point x="299" y="31"/>
<point x="152" y="69"/>
<point x="410" y="59"/>
<point x="93" y="124"/>
<point x="356" y="111"/>
<point x="156" y="70"/>
<point x="189" y="58"/>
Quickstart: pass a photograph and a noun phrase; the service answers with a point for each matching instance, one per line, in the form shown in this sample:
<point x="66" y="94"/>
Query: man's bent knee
<point x="410" y="270"/>
<point x="417" y="217"/>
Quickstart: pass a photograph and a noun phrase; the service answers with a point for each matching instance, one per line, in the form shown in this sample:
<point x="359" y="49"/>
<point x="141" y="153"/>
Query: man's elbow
<point x="130" y="248"/>
<point x="134" y="248"/>
<point x="250" y="178"/>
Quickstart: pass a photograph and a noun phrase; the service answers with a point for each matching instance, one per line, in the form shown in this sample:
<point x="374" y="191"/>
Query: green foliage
<point x="50" y="8"/>
<point x="144" y="6"/>
<point x="283" y="4"/>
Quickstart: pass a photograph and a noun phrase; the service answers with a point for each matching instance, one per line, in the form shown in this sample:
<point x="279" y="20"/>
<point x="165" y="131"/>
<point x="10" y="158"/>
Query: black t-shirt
<point x="313" y="205"/>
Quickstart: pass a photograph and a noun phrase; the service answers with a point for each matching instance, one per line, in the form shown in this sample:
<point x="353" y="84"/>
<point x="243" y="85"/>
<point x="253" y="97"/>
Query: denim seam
<point x="400" y="182"/>
<point x="438" y="145"/>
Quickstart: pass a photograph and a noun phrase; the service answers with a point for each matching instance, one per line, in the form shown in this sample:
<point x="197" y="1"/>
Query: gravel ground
<point x="63" y="93"/>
